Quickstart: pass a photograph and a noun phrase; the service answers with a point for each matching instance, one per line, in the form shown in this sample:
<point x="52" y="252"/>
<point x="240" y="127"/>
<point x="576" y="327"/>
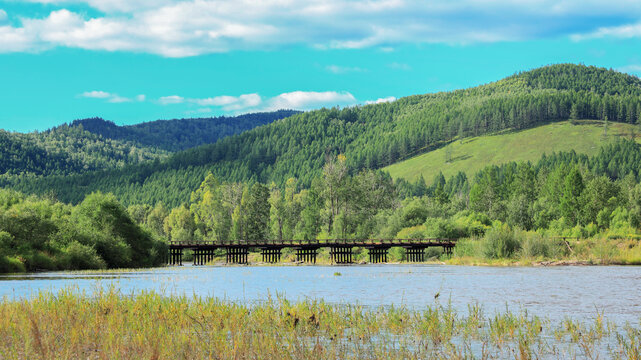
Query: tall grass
<point x="109" y="325"/>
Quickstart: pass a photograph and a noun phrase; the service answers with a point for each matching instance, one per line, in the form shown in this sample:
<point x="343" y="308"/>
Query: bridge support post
<point x="415" y="254"/>
<point x="175" y="256"/>
<point x="341" y="254"/>
<point x="271" y="255"/>
<point x="237" y="255"/>
<point x="378" y="255"/>
<point x="306" y="255"/>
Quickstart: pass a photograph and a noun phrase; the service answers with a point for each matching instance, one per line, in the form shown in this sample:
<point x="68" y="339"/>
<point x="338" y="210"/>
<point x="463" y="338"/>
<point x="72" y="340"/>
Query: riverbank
<point x="149" y="325"/>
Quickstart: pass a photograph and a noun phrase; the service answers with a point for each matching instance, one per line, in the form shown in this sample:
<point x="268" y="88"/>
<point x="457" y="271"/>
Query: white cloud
<point x="141" y="97"/>
<point x="299" y="100"/>
<point x="179" y="28"/>
<point x="96" y="94"/>
<point x="110" y="97"/>
<point x="119" y="99"/>
<point x="343" y="69"/>
<point x="231" y="103"/>
<point x="3" y="16"/>
<point x="307" y="100"/>
<point x="171" y="99"/>
<point x="632" y="68"/>
<point x="381" y="100"/>
<point x="623" y="31"/>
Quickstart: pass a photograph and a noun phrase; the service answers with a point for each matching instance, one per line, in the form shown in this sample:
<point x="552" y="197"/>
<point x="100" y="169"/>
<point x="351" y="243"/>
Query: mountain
<point x="96" y="144"/>
<point x="372" y="136"/>
<point x="180" y="134"/>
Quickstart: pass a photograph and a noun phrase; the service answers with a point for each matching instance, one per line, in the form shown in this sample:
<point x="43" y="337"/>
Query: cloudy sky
<point x="134" y="61"/>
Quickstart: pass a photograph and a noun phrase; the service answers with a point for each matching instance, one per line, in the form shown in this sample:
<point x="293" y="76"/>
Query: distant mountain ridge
<point x="97" y="144"/>
<point x="180" y="134"/>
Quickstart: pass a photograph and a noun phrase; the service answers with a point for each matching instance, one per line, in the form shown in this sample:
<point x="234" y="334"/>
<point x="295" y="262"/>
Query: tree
<point x="570" y="205"/>
<point x="574" y="114"/>
<point x="334" y="181"/>
<point x="180" y="225"/>
<point x="258" y="213"/>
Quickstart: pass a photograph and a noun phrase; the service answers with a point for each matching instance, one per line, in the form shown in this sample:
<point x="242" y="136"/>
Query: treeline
<point x="562" y="194"/>
<point x="371" y="136"/>
<point x="337" y="205"/>
<point x="41" y="234"/>
<point x="180" y="134"/>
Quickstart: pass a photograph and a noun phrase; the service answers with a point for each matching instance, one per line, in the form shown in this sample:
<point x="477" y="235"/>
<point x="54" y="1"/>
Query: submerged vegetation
<point x="149" y="325"/>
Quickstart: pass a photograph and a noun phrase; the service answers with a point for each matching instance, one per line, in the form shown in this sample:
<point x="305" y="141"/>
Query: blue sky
<point x="135" y="61"/>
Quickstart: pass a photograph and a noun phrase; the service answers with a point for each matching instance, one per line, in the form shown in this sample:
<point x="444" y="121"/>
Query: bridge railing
<point x="326" y="242"/>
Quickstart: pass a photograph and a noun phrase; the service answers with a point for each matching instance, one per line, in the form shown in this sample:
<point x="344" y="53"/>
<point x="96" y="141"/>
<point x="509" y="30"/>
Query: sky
<point x="135" y="61"/>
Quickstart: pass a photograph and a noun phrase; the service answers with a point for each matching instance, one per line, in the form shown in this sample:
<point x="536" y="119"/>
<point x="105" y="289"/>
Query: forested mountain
<point x="66" y="150"/>
<point x="371" y="136"/>
<point x="180" y="134"/>
<point x="94" y="144"/>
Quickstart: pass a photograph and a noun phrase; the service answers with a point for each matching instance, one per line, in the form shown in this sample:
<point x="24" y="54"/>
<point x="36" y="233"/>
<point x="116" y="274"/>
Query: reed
<point x="107" y="324"/>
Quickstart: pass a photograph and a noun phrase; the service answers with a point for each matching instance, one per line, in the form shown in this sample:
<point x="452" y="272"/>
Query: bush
<point x="39" y="261"/>
<point x="11" y="265"/>
<point x="79" y="256"/>
<point x="500" y="242"/>
<point x="414" y="232"/>
<point x="535" y="245"/>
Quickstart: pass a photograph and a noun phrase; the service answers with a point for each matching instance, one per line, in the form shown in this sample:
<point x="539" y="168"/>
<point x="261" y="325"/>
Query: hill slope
<point x="372" y="136"/>
<point x="180" y="134"/>
<point x="472" y="154"/>
<point x="66" y="150"/>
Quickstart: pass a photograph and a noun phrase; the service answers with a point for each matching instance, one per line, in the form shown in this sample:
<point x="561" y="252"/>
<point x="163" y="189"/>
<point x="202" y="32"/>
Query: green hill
<point x="372" y="136"/>
<point x="180" y="134"/>
<point x="472" y="154"/>
<point x="67" y="150"/>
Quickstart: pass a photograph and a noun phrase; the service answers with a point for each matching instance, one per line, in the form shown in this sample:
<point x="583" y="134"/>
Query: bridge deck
<point x="427" y="242"/>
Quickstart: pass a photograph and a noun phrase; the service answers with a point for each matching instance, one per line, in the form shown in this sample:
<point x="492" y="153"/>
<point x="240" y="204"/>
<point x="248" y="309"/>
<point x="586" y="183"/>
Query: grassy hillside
<point x="472" y="154"/>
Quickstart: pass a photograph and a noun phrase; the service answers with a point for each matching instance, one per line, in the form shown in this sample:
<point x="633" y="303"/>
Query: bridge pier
<point x="237" y="254"/>
<point x="341" y="254"/>
<point x="415" y="254"/>
<point x="306" y="255"/>
<point x="448" y="250"/>
<point x="175" y="256"/>
<point x="271" y="255"/>
<point x="378" y="255"/>
<point x="203" y="256"/>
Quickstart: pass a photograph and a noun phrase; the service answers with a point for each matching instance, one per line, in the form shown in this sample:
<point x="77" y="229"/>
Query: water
<point x="553" y="292"/>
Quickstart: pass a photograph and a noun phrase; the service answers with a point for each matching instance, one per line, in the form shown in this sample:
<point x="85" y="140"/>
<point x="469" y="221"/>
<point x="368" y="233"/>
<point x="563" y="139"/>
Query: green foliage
<point x="500" y="242"/>
<point x="40" y="234"/>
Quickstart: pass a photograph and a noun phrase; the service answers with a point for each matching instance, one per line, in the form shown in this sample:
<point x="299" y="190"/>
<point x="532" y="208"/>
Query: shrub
<point x="535" y="245"/>
<point x="500" y="242"/>
<point x="79" y="256"/>
<point x="39" y="261"/>
<point x="414" y="232"/>
<point x="11" y="265"/>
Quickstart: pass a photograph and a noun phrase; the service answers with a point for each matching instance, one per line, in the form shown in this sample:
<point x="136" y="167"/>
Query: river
<point x="551" y="292"/>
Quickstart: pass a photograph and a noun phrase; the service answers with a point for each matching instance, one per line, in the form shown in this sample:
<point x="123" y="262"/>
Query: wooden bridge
<point x="340" y="250"/>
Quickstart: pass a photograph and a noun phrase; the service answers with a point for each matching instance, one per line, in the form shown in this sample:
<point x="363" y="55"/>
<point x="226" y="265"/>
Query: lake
<point x="551" y="292"/>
